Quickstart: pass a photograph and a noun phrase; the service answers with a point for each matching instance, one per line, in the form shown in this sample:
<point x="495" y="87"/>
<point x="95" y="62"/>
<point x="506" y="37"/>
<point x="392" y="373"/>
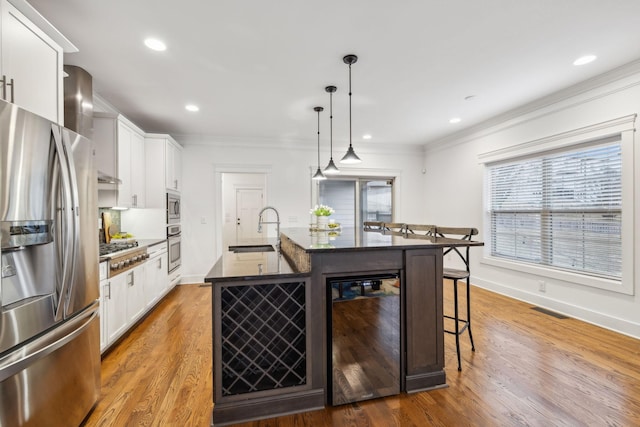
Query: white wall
<point x="288" y="189"/>
<point x="454" y="184"/>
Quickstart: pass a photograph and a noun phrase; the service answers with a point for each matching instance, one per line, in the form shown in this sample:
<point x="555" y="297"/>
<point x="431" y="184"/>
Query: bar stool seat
<point x="454" y="274"/>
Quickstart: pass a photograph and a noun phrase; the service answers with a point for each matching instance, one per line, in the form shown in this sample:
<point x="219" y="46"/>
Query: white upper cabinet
<point x="163" y="169"/>
<point x="120" y="153"/>
<point x="31" y="61"/>
<point x="174" y="166"/>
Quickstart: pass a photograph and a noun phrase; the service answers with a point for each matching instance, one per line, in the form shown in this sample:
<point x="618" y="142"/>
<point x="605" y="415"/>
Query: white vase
<point x="322" y="222"/>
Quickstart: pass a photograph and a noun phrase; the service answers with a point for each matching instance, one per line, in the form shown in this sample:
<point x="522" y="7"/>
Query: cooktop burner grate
<point x="109" y="248"/>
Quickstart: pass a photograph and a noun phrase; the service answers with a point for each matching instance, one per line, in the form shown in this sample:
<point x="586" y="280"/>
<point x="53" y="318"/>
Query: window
<point x="561" y="209"/>
<point x="564" y="206"/>
<point x="375" y="201"/>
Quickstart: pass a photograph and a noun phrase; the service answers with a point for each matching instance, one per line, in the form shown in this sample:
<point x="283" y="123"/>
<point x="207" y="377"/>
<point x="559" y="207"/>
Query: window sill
<point x="565" y="276"/>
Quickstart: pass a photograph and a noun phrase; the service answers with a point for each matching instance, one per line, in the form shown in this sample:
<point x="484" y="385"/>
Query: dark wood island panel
<point x="270" y="318"/>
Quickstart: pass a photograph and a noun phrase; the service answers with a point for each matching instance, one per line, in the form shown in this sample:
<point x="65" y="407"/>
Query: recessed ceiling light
<point x="584" y="60"/>
<point x="455" y="120"/>
<point x="192" y="108"/>
<point x="366" y="136"/>
<point x="155" y="44"/>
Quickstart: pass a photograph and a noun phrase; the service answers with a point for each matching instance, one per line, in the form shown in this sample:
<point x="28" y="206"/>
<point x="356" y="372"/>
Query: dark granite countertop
<point x="265" y="265"/>
<point x="349" y="239"/>
<point x="251" y="266"/>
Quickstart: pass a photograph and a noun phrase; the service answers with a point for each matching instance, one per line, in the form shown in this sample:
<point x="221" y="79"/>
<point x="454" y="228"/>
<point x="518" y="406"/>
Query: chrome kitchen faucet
<point x="277" y="222"/>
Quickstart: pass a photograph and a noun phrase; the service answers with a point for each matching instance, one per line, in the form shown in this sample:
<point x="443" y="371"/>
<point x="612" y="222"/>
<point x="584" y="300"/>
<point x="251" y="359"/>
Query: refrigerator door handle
<point x="47" y="344"/>
<point x="74" y="217"/>
<point x="67" y="249"/>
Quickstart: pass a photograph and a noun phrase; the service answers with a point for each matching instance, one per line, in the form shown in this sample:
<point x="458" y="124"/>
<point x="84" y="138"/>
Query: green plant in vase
<point x="322" y="214"/>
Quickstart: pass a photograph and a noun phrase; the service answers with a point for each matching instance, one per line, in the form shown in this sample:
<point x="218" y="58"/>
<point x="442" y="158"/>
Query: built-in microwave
<point x="173" y="208"/>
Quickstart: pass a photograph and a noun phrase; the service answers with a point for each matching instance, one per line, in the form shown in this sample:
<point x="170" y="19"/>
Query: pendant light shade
<point x="331" y="168"/>
<point x="318" y="175"/>
<point x="350" y="157"/>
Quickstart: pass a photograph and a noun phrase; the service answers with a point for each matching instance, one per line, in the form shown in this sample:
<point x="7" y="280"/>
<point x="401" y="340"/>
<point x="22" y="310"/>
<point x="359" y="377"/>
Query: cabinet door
<point x="34" y="62"/>
<point x="157" y="279"/>
<point x="116" y="307"/>
<point x="174" y="167"/>
<point x="123" y="138"/>
<point x="155" y="167"/>
<point x="135" y="282"/>
<point x="137" y="170"/>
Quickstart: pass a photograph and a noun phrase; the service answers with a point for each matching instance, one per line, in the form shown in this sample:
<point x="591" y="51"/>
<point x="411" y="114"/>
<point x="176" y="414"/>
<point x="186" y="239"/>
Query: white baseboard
<point x="599" y="319"/>
<point x="195" y="278"/>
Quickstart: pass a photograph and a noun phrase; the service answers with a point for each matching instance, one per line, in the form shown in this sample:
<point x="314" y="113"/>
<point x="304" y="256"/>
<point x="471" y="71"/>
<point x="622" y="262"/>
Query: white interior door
<point x="249" y="201"/>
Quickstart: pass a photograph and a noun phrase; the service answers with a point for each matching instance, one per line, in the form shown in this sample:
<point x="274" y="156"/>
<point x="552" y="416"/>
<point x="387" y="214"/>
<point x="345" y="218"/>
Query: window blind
<point x="560" y="209"/>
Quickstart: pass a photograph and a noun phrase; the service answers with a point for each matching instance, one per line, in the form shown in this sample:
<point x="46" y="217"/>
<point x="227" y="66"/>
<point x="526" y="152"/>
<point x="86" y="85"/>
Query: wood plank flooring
<point x="529" y="369"/>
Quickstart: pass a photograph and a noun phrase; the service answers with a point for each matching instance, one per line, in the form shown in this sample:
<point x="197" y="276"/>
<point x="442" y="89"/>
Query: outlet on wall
<point x="542" y="286"/>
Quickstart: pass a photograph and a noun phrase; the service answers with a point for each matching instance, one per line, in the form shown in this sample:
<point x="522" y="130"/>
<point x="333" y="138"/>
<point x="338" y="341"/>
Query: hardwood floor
<point x="529" y="368"/>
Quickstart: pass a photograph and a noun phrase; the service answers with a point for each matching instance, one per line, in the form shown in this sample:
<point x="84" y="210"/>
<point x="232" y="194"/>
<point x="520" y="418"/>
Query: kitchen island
<point x="272" y="317"/>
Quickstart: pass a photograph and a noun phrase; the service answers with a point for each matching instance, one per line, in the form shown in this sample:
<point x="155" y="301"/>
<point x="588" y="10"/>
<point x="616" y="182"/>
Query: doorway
<point x="243" y="196"/>
<point x="356" y="200"/>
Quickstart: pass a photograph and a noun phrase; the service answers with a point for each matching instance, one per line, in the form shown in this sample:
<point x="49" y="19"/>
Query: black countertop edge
<point x="349" y="240"/>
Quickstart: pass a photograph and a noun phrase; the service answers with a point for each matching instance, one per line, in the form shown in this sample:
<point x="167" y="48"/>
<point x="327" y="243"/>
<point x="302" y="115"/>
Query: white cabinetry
<point x="163" y="169"/>
<point x="120" y="153"/>
<point x="116" y="307"/>
<point x="122" y="303"/>
<point x="136" y="301"/>
<point x="157" y="277"/>
<point x="174" y="166"/>
<point x="31" y="61"/>
<point x="131" y="167"/>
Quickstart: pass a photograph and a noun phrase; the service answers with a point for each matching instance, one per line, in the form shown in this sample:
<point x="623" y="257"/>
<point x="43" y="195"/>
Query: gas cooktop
<point x="109" y="248"/>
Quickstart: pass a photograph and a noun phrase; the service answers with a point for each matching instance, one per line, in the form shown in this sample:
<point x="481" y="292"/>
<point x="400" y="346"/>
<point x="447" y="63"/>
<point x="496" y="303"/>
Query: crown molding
<point x="622" y="78"/>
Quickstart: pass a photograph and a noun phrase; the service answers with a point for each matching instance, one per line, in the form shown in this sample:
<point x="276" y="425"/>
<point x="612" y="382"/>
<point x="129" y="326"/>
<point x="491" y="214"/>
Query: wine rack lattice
<point x="263" y="337"/>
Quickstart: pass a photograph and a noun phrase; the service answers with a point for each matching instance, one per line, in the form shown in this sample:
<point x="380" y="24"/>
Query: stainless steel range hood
<point x="103" y="178"/>
<point x="78" y="100"/>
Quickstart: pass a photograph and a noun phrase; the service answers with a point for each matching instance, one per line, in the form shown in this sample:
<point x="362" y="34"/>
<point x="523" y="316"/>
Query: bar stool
<point x="454" y="274"/>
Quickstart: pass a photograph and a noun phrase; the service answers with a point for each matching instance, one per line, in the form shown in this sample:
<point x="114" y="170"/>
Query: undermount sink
<point x="251" y="248"/>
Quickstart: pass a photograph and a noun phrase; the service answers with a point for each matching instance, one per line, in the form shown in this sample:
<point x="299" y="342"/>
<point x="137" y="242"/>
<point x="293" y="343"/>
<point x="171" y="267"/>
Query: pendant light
<point x="351" y="156"/>
<point x="331" y="168"/>
<point x="318" y="175"/>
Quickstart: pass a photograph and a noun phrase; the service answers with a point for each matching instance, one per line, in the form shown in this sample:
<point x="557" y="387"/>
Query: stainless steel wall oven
<point x="174" y="244"/>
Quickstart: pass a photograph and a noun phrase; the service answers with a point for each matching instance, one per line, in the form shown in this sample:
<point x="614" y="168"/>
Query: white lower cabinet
<point x="136" y="301"/>
<point x="116" y="307"/>
<point x="122" y="304"/>
<point x="128" y="296"/>
<point x="157" y="278"/>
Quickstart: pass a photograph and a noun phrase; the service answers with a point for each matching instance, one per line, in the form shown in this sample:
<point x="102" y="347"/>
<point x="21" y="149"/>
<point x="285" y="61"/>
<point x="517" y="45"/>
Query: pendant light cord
<point x="350" y="105"/>
<point x="331" y="125"/>
<point x="318" y="110"/>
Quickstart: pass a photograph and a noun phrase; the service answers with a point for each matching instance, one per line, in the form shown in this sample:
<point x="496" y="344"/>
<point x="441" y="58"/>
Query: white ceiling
<point x="257" y="68"/>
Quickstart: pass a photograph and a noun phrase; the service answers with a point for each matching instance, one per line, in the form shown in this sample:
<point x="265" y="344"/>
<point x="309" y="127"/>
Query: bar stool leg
<point x="455" y="320"/>
<point x="473" y="348"/>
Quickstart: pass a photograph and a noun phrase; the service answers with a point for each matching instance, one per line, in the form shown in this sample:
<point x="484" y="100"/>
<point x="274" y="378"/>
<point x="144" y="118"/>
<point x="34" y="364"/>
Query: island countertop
<point x="350" y="239"/>
<point x="252" y="265"/>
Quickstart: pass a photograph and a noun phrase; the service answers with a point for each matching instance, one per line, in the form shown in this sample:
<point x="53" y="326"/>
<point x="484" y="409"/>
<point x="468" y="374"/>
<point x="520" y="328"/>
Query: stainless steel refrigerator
<point x="49" y="295"/>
